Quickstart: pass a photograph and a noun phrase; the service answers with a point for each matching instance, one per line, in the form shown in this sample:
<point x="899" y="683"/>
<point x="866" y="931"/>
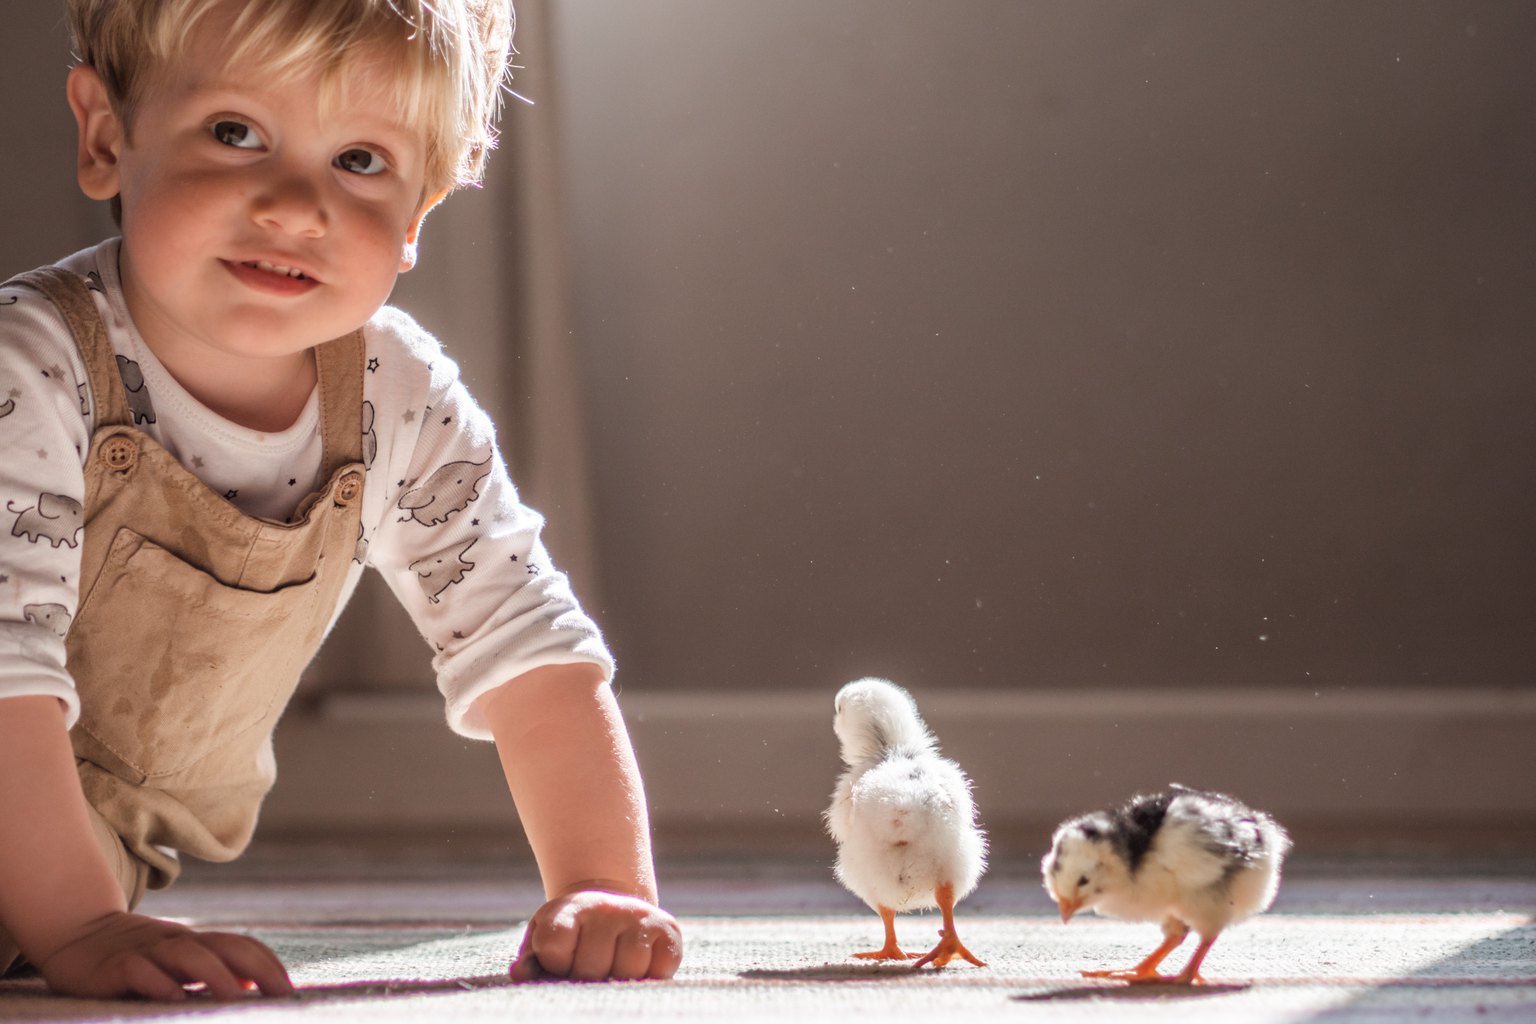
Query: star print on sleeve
<point x="231" y="494"/>
<point x="373" y="364"/>
<point x="410" y="416"/>
<point x="10" y="301"/>
<point x="10" y="402"/>
<point x="533" y="570"/>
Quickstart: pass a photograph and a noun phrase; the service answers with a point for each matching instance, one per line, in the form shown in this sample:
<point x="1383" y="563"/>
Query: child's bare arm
<point x="60" y="902"/>
<point x="573" y="777"/>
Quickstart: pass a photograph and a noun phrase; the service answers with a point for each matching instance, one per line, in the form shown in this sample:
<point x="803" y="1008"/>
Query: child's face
<point x="253" y="226"/>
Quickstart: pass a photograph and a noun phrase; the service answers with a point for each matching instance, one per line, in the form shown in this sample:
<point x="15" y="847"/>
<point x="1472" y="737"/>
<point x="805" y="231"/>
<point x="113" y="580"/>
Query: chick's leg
<point x="890" y="951"/>
<point x="1190" y="975"/>
<point x="1174" y="932"/>
<point x="949" y="945"/>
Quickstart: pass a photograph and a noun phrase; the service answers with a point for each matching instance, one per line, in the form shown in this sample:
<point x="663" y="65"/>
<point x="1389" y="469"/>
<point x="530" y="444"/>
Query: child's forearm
<point x="54" y="878"/>
<point x="572" y="772"/>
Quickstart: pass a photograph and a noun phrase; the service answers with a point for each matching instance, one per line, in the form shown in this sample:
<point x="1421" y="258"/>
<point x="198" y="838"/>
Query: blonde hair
<point x="448" y="58"/>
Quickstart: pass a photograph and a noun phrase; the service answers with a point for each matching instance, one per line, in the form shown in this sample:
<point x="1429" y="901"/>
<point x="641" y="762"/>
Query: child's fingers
<point x="666" y="953"/>
<point x="590" y="940"/>
<point x="141" y="976"/>
<point x="554" y="943"/>
<point x="651" y="947"/>
<point x="593" y="957"/>
<point x="186" y="959"/>
<point x="525" y="966"/>
<point x="633" y="954"/>
<point x="549" y="948"/>
<point x="251" y="960"/>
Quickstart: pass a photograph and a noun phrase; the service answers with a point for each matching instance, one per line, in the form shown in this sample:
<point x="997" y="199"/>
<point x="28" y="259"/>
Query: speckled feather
<point x="1202" y="858"/>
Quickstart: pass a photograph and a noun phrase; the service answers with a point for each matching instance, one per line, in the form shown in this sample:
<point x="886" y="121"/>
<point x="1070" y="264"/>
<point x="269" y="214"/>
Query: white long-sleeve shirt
<point x="441" y="519"/>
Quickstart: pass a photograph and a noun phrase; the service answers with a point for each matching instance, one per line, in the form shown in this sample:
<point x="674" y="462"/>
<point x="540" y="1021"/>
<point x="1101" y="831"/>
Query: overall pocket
<point x="172" y="665"/>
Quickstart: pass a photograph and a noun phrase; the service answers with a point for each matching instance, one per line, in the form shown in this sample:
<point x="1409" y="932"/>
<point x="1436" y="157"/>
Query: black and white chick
<point x="902" y="817"/>
<point x="1196" y="861"/>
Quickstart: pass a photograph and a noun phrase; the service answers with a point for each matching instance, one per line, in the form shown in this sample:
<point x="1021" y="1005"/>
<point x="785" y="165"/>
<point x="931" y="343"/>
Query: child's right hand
<point x="124" y="954"/>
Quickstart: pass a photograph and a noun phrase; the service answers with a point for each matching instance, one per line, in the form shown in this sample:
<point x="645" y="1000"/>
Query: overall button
<point x="119" y="454"/>
<point x="348" y="488"/>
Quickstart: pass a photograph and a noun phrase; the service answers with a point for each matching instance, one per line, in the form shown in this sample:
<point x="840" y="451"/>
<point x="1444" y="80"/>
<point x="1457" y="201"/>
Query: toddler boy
<point x="211" y="426"/>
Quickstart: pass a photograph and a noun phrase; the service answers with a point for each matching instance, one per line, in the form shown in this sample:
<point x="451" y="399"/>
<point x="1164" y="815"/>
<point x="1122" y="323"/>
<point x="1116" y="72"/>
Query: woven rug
<point x="428" y="942"/>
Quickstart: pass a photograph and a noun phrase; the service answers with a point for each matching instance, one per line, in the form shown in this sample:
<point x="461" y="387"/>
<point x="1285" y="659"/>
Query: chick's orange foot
<point x="948" y="948"/>
<point x="1135" y="977"/>
<point x="890" y="952"/>
<point x="1128" y="974"/>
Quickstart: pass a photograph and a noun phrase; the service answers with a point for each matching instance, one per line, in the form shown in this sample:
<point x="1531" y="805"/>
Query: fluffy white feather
<point x="902" y="815"/>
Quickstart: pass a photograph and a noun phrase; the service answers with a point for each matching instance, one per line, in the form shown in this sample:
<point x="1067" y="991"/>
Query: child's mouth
<point x="271" y="278"/>
<point x="271" y="268"/>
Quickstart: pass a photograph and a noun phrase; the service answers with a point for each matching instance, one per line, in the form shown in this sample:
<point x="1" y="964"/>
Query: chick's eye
<point x="235" y="133"/>
<point x="360" y="161"/>
<point x="1082" y="881"/>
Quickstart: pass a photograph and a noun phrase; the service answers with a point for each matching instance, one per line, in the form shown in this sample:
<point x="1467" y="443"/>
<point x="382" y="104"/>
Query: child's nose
<point x="293" y="205"/>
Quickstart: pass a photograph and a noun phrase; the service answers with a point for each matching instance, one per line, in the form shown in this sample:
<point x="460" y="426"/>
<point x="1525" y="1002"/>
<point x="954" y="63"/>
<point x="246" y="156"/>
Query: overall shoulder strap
<point x="339" y="376"/>
<point x="71" y="294"/>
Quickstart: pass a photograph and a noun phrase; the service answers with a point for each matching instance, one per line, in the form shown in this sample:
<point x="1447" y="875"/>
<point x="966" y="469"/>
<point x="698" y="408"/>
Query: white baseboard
<point x="726" y="768"/>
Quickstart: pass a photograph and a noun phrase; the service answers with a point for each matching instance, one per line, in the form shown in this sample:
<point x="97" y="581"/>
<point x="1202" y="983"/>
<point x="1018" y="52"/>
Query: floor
<point x="414" y="937"/>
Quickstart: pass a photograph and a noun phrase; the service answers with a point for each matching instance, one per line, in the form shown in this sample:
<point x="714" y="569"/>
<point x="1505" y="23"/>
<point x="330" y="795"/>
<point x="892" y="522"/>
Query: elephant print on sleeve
<point x="138" y="395"/>
<point x="449" y="489"/>
<point x="55" y="616"/>
<point x="56" y="517"/>
<point x="439" y="572"/>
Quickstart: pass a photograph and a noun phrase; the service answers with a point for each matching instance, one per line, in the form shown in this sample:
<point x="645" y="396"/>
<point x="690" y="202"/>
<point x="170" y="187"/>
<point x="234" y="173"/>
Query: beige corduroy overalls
<point x="194" y="619"/>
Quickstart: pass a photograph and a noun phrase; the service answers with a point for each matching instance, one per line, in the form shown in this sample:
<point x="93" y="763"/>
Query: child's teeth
<point x="273" y="268"/>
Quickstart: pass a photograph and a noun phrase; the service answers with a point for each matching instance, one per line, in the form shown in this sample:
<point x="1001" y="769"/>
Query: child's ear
<point x="408" y="253"/>
<point x="101" y="132"/>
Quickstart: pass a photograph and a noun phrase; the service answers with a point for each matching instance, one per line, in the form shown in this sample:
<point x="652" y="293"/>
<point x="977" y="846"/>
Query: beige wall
<point x="1070" y="349"/>
<point x="1013" y="344"/>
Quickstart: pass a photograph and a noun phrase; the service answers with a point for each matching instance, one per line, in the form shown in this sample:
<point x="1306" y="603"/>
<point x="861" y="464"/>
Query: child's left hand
<point x="591" y="935"/>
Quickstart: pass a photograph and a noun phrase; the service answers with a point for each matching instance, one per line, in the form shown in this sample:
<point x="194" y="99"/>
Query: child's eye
<point x="235" y="133"/>
<point x="360" y="161"/>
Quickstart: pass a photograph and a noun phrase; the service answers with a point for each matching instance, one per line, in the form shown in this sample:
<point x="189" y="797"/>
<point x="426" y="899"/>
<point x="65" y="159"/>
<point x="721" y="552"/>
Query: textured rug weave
<point x="773" y="943"/>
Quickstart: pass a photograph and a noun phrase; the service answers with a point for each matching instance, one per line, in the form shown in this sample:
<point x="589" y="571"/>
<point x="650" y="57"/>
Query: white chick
<point x="1190" y="859"/>
<point x="902" y="817"/>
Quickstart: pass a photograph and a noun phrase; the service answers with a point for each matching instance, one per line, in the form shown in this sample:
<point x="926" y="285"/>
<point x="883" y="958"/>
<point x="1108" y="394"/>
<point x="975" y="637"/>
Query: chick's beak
<point x="1069" y="906"/>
